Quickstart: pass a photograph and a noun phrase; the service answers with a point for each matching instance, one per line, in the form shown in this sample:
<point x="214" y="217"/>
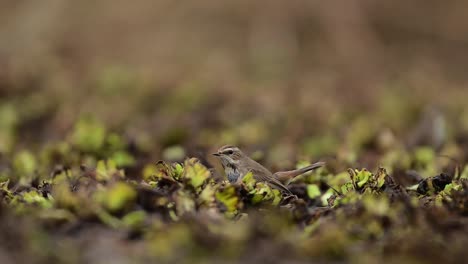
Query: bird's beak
<point x="216" y="154"/>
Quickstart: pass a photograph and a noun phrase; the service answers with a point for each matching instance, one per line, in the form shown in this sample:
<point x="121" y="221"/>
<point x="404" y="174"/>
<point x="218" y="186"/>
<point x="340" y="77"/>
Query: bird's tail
<point x="285" y="176"/>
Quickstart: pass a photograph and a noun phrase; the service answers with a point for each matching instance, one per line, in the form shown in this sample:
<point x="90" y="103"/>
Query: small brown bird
<point x="236" y="165"/>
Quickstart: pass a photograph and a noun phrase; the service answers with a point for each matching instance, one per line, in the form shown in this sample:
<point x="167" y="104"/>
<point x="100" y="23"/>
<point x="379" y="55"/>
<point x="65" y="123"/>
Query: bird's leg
<point x="290" y="196"/>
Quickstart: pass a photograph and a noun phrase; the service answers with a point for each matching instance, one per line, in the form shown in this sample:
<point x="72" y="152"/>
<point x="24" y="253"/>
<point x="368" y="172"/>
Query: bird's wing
<point x="266" y="176"/>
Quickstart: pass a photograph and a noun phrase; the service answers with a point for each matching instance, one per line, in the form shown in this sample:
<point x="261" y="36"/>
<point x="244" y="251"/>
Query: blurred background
<point x="286" y="80"/>
<point x="119" y="84"/>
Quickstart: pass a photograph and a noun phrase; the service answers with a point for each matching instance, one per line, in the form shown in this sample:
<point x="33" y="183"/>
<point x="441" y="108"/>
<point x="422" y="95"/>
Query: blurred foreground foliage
<point x="89" y="106"/>
<point x="94" y="191"/>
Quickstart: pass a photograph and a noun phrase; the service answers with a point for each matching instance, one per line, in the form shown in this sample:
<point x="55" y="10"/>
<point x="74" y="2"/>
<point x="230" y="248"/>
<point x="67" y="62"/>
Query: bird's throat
<point x="232" y="173"/>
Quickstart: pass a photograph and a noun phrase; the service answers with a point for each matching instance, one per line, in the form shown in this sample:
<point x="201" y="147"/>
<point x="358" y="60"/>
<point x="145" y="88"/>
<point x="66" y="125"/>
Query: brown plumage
<point x="284" y="176"/>
<point x="236" y="165"/>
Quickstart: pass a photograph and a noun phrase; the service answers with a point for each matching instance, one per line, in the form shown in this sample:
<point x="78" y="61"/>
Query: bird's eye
<point x="229" y="152"/>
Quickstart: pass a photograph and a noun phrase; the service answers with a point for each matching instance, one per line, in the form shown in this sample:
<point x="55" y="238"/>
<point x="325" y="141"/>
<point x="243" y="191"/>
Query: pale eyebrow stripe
<point x="227" y="147"/>
<point x="227" y="150"/>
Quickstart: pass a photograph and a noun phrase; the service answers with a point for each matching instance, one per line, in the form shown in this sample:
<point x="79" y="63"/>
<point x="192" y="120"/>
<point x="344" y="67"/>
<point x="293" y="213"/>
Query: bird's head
<point x="229" y="155"/>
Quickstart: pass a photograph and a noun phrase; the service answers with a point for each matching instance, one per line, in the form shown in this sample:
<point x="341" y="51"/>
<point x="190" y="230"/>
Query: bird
<point x="236" y="165"/>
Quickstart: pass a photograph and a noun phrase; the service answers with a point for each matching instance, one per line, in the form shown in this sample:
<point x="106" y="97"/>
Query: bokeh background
<point x="355" y="83"/>
<point x="283" y="76"/>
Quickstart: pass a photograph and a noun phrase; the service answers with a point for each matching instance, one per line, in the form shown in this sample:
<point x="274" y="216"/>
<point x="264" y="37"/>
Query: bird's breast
<point x="232" y="174"/>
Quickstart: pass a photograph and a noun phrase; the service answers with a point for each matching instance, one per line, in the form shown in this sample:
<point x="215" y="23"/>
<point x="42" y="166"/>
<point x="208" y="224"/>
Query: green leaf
<point x="313" y="191"/>
<point x="56" y="216"/>
<point x="424" y="155"/>
<point x="249" y="181"/>
<point x="326" y="196"/>
<point x="277" y="197"/>
<point x="174" y="153"/>
<point x="320" y="145"/>
<point x="184" y="203"/>
<point x="123" y="159"/>
<point x="196" y="173"/>
<point x="379" y="178"/>
<point x="33" y="197"/>
<point x="260" y="193"/>
<point x="359" y="177"/>
<point x="227" y="196"/>
<point x="256" y="198"/>
<point x="108" y="219"/>
<point x="105" y="170"/>
<point x="162" y="169"/>
<point x="116" y="142"/>
<point x="25" y="163"/>
<point x="134" y="219"/>
<point x="377" y="205"/>
<point x="89" y="135"/>
<point x="412" y="187"/>
<point x="347" y="187"/>
<point x="207" y="196"/>
<point x="149" y="172"/>
<point x="363" y="177"/>
<point x="119" y="197"/>
<point x="64" y="197"/>
<point x="4" y="191"/>
<point x="178" y="170"/>
<point x="464" y="174"/>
